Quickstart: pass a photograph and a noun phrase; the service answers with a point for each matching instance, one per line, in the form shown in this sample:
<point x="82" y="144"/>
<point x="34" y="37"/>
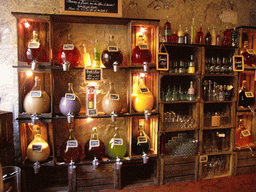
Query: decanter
<point x="141" y="143"/>
<point x="243" y="136"/>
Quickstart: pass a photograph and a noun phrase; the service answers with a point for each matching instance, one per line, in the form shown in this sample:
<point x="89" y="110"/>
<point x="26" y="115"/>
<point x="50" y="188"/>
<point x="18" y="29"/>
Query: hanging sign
<point x="162" y="62"/>
<point x="238" y="63"/>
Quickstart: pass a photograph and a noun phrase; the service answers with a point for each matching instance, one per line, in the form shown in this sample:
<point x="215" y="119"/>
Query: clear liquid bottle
<point x="116" y="147"/>
<point x="191" y="92"/>
<point x="96" y="54"/>
<point x="218" y="39"/>
<point x="37" y="100"/>
<point x="208" y="37"/>
<point x="142" y="143"/>
<point x="94" y="148"/>
<point x="38" y="149"/>
<point x="69" y="53"/>
<point x="167" y="31"/>
<point x="70" y="149"/>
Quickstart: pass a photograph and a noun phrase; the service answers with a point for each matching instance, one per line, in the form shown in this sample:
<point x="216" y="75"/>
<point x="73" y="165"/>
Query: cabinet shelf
<point x="218" y="153"/>
<point x="213" y="128"/>
<point x="175" y="102"/>
<point x="199" y="45"/>
<point x="169" y="130"/>
<point x="179" y="74"/>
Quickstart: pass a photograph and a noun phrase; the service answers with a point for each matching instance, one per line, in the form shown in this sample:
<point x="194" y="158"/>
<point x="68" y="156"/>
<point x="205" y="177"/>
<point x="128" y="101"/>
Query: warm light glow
<point x="26" y="24"/>
<point x="89" y="119"/>
<point x="143" y="75"/>
<point x="142" y="29"/>
<point x="29" y="73"/>
<point x="93" y="84"/>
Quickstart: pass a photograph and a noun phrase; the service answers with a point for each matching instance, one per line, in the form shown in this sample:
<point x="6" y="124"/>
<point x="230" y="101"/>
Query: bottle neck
<point x="36" y="86"/>
<point x="69" y="40"/>
<point x="70" y="88"/>
<point x="35" y="37"/>
<point x="111" y="41"/>
<point x="94" y="135"/>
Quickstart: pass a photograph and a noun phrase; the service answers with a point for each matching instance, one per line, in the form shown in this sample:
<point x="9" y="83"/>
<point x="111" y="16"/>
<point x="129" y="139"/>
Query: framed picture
<point x="101" y="8"/>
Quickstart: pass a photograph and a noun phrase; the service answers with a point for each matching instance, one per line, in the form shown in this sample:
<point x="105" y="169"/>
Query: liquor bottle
<point x="208" y="37"/>
<point x="191" y="65"/>
<point x="141" y="52"/>
<point x="243" y="136"/>
<point x="186" y="36"/>
<point x="193" y="32"/>
<point x="86" y="58"/>
<point x="180" y="35"/>
<point x="111" y="101"/>
<point x="37" y="100"/>
<point x="209" y="94"/>
<point x="249" y="54"/>
<point x="116" y="147"/>
<point x="167" y="31"/>
<point x="221" y="93"/>
<point x="69" y="53"/>
<point x="226" y="39"/>
<point x="38" y="149"/>
<point x="205" y="90"/>
<point x="182" y="68"/>
<point x="214" y="36"/>
<point x="142" y="98"/>
<point x="70" y="103"/>
<point x="174" y="37"/>
<point x="246" y="98"/>
<point x="235" y="37"/>
<point x="199" y="36"/>
<point x="218" y="39"/>
<point x="111" y="54"/>
<point x="141" y="144"/>
<point x="35" y="51"/>
<point x="70" y="149"/>
<point x="174" y="96"/>
<point x="191" y="92"/>
<point x="94" y="148"/>
<point x="96" y="55"/>
<point x="218" y="66"/>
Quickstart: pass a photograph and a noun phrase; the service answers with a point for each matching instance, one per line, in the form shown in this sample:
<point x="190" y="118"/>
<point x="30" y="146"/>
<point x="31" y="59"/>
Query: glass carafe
<point x="69" y="53"/>
<point x="142" y="143"/>
<point x="111" y="101"/>
<point x="142" y="98"/>
<point x="70" y="103"/>
<point x="116" y="147"/>
<point x="243" y="136"/>
<point x="70" y="149"/>
<point x="244" y="99"/>
<point x="94" y="148"/>
<point x="35" y="51"/>
<point x="38" y="149"/>
<point x="36" y="101"/>
<point x="111" y="54"/>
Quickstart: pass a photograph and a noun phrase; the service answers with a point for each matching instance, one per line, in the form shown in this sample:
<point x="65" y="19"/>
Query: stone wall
<point x="180" y="12"/>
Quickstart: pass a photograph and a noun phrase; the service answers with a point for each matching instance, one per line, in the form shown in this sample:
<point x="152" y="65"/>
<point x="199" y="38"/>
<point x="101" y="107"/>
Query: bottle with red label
<point x="69" y="53"/>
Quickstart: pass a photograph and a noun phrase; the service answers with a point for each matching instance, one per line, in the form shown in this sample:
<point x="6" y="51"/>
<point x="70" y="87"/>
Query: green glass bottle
<point x="116" y="147"/>
<point x="96" y="55"/>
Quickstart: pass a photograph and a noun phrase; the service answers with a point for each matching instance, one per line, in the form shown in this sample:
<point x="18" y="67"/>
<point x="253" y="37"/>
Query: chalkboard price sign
<point x="107" y="8"/>
<point x="203" y="158"/>
<point x="93" y="74"/>
<point x="162" y="61"/>
<point x="238" y="63"/>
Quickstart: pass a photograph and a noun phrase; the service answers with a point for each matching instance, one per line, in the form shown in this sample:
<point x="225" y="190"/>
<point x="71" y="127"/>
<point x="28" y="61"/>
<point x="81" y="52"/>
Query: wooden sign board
<point x="101" y="8"/>
<point x="93" y="74"/>
<point x="162" y="61"/>
<point x="203" y="158"/>
<point x="238" y="63"/>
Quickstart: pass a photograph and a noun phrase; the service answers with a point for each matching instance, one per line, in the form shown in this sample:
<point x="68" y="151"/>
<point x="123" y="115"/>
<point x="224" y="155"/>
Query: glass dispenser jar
<point x="141" y="144"/>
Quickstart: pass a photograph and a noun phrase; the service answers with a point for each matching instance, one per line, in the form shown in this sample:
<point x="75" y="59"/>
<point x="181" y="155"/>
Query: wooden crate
<point x="245" y="163"/>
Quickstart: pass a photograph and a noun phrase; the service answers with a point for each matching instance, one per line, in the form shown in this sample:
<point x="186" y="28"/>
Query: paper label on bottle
<point x="118" y="141"/>
<point x="143" y="47"/>
<point x="68" y="47"/>
<point x="112" y="49"/>
<point x="33" y="45"/>
<point x="94" y="143"/>
<point x="36" y="93"/>
<point x="251" y="51"/>
<point x="191" y="91"/>
<point x="144" y="90"/>
<point x="221" y="135"/>
<point x="245" y="133"/>
<point x="191" y="70"/>
<point x="142" y="139"/>
<point x="72" y="143"/>
<point x="249" y="94"/>
<point x="37" y="148"/>
<point x="70" y="96"/>
<point x="114" y="97"/>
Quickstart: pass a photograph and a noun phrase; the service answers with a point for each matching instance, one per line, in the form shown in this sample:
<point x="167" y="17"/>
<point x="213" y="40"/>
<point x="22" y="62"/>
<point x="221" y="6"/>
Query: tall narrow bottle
<point x="214" y="36"/>
<point x="180" y="35"/>
<point x="226" y="39"/>
<point x="191" y="92"/>
<point x="167" y="31"/>
<point x="70" y="149"/>
<point x="193" y="32"/>
<point x="208" y="37"/>
<point x="96" y="54"/>
<point x="186" y="37"/>
<point x="246" y="98"/>
<point x="191" y="65"/>
<point x="37" y="100"/>
<point x="69" y="53"/>
<point x="235" y="37"/>
<point x="218" y="39"/>
<point x="199" y="36"/>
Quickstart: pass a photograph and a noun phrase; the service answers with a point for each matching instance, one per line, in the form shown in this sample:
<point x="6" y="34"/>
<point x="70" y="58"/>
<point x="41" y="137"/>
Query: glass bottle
<point x="96" y="54"/>
<point x="226" y="39"/>
<point x="191" y="65"/>
<point x="205" y="90"/>
<point x="36" y="101"/>
<point x="208" y="37"/>
<point x="111" y="54"/>
<point x="70" y="103"/>
<point x="142" y="98"/>
<point x="199" y="36"/>
<point x="180" y="35"/>
<point x="69" y="53"/>
<point x="174" y="96"/>
<point x="94" y="148"/>
<point x="244" y="99"/>
<point x="141" y="52"/>
<point x="111" y="101"/>
<point x="182" y="68"/>
<point x="186" y="37"/>
<point x="70" y="149"/>
<point x="38" y="149"/>
<point x="193" y="32"/>
<point x="142" y="143"/>
<point x="35" y="51"/>
<point x="181" y="94"/>
<point x="174" y="37"/>
<point x="116" y="147"/>
<point x="191" y="92"/>
<point x="235" y="37"/>
<point x="86" y="58"/>
<point x="214" y="36"/>
<point x="221" y="93"/>
<point x="218" y="39"/>
<point x="167" y="31"/>
<point x="249" y="54"/>
<point x="209" y="94"/>
<point x="242" y="139"/>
